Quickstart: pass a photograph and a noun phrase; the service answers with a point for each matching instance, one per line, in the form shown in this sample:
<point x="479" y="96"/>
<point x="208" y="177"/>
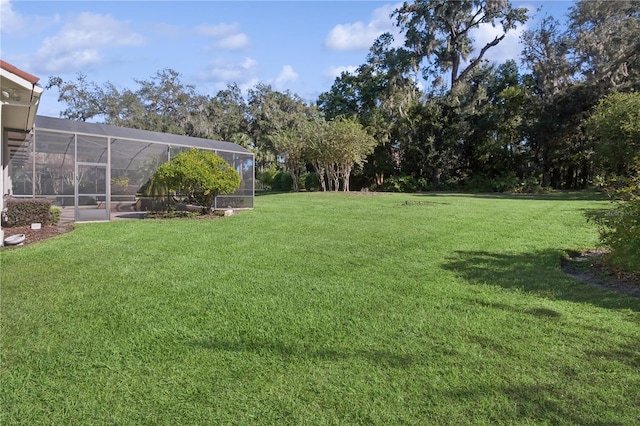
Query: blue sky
<point x="299" y="46"/>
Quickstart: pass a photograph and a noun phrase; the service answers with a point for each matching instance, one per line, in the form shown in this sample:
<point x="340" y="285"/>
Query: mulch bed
<point x="35" y="235"/>
<point x="590" y="268"/>
<point x="48" y="231"/>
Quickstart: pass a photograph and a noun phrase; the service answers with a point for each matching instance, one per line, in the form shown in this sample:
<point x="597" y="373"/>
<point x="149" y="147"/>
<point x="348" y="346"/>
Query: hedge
<point x="22" y="212"/>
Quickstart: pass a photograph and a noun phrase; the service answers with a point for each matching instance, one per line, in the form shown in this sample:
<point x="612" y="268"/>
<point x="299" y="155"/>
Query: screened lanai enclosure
<point x="95" y="171"/>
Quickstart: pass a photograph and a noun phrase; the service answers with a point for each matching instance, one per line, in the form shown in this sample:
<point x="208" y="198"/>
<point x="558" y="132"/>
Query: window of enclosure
<point x="175" y="150"/>
<point x="234" y="202"/>
<point x="92" y="180"/>
<point x="54" y="163"/>
<point x="92" y="149"/>
<point x="19" y="163"/>
<point x="246" y="166"/>
<point x="227" y="156"/>
<point x="132" y="165"/>
<point x="243" y="196"/>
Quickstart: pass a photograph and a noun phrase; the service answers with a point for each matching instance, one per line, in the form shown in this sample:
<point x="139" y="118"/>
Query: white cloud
<point x="287" y="75"/>
<point x="248" y="85"/>
<point x="12" y="22"/>
<point x="229" y="36"/>
<point x="233" y="42"/>
<point x="81" y="42"/>
<point x="167" y="30"/>
<point x="334" y="72"/>
<point x="73" y="60"/>
<point x="219" y="30"/>
<point x="15" y="24"/>
<point x="226" y="72"/>
<point x="360" y="36"/>
<point x="222" y="72"/>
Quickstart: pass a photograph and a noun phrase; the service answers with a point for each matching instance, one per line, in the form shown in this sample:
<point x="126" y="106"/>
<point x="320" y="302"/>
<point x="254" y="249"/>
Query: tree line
<point x="431" y="113"/>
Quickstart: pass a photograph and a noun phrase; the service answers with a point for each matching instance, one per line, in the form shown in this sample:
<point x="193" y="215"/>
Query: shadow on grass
<point x="292" y="350"/>
<point x="628" y="355"/>
<point x="545" y="196"/>
<point x="538" y="273"/>
<point x="265" y="192"/>
<point x="531" y="403"/>
<point x="298" y="350"/>
<point x="535" y="312"/>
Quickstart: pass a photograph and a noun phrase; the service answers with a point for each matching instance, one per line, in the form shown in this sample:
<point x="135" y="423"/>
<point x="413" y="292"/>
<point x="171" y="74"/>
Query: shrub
<point x="55" y="214"/>
<point x="283" y="182"/>
<point x="311" y="182"/>
<point x="267" y="176"/>
<point x="200" y="175"/>
<point x="620" y="227"/>
<point x="400" y="184"/>
<point x="504" y="183"/>
<point x="22" y="212"/>
<point x="479" y="183"/>
<point x="301" y="180"/>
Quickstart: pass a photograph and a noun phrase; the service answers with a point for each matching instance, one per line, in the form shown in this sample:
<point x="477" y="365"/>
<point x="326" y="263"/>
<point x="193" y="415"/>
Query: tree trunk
<point x="346" y="174"/>
<point x="321" y="173"/>
<point x="294" y="177"/>
<point x="435" y="175"/>
<point x="334" y="178"/>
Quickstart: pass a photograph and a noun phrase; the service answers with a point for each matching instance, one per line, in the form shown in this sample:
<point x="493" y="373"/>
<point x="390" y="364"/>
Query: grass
<point x="321" y="309"/>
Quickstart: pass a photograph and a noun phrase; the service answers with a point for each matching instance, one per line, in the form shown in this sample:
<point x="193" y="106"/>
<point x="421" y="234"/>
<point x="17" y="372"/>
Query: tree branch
<point x="476" y="61"/>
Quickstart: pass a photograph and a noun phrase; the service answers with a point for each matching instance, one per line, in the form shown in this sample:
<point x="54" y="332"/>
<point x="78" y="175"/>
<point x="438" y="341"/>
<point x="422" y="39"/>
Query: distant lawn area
<point x="321" y="309"/>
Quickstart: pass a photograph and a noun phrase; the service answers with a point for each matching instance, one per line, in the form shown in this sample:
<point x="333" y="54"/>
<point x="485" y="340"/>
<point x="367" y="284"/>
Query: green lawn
<point x="321" y="309"/>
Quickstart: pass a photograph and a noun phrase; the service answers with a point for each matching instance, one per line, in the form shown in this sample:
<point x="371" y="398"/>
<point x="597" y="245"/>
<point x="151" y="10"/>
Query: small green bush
<point x="268" y="176"/>
<point x="311" y="182"/>
<point x="171" y="214"/>
<point x="283" y="182"/>
<point x="302" y="177"/>
<point x="55" y="214"/>
<point x="400" y="184"/>
<point x="199" y="176"/>
<point x="620" y="227"/>
<point x="22" y="212"/>
<point x="530" y="185"/>
<point x="504" y="183"/>
<point x="481" y="184"/>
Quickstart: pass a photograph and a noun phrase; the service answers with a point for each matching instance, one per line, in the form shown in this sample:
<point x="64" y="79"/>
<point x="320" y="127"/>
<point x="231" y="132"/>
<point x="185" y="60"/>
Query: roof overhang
<point x="19" y="96"/>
